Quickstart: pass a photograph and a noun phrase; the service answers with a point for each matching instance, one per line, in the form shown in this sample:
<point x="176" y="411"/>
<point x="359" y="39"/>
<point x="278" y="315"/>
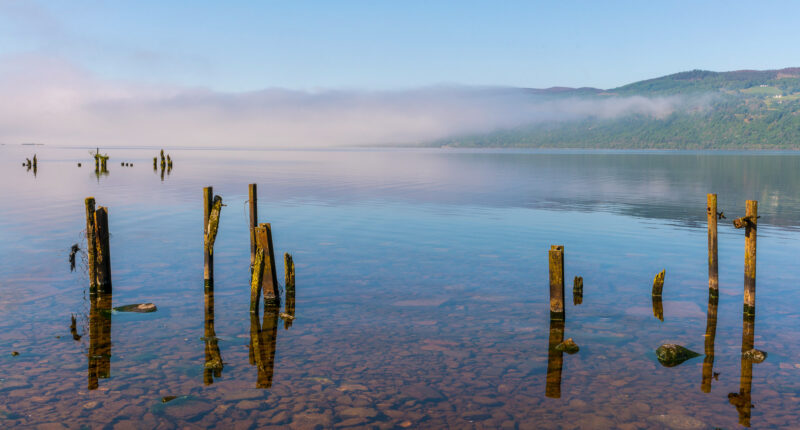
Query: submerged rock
<point x="138" y="308"/>
<point x="678" y="422"/>
<point x="670" y="354"/>
<point x="755" y="355"/>
<point x="14" y="353"/>
<point x="569" y="346"/>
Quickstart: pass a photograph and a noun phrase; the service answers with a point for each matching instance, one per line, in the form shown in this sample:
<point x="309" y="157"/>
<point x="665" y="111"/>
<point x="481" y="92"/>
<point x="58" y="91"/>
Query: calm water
<point x="422" y="291"/>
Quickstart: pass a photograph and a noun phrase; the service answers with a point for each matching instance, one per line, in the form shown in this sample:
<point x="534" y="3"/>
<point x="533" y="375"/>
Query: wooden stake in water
<point x="557" y="282"/>
<point x="208" y="259"/>
<point x="90" y="243"/>
<point x="256" y="279"/>
<point x="289" y="272"/>
<point x="713" y="264"/>
<point x="577" y="291"/>
<point x="252" y="192"/>
<point x="750" y="224"/>
<point x="658" y="283"/>
<point x="269" y="283"/>
<point x="102" y="250"/>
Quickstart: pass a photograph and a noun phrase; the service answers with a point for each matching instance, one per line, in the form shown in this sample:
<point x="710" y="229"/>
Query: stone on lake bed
<point x="678" y="422"/>
<point x="569" y="346"/>
<point x="670" y="354"/>
<point x="138" y="308"/>
<point x="755" y="355"/>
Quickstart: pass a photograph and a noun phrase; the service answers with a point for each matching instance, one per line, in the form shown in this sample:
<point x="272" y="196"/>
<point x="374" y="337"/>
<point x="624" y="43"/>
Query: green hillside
<point x="746" y="109"/>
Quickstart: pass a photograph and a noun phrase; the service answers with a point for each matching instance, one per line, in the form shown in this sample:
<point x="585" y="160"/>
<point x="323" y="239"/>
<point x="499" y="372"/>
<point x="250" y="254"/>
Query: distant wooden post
<point x="577" y="291"/>
<point x="713" y="265"/>
<point x="103" y="254"/>
<point x="557" y="283"/>
<point x="253" y="199"/>
<point x="208" y="258"/>
<point x="269" y="283"/>
<point x="750" y="224"/>
<point x="163" y="160"/>
<point x="90" y="243"/>
<point x="155" y="163"/>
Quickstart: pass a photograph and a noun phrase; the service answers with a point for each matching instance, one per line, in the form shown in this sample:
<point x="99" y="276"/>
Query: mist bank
<point x="52" y="102"/>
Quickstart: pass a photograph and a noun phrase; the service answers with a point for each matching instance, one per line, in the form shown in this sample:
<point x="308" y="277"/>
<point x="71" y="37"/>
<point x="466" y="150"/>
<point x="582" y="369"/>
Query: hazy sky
<point x="301" y="73"/>
<point x="240" y="46"/>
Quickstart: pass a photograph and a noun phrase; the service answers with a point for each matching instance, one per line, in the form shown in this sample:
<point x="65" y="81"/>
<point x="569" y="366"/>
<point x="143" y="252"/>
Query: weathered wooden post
<point x="263" y="338"/>
<point x="163" y="160"/>
<point x="102" y="250"/>
<point x="713" y="264"/>
<point x="658" y="308"/>
<point x="252" y="192"/>
<point x="557" y="283"/>
<point x="288" y="316"/>
<point x="658" y="283"/>
<point x="577" y="291"/>
<point x="269" y="280"/>
<point x="750" y="224"/>
<point x="99" y="353"/>
<point x="90" y="243"/>
<point x="208" y="258"/>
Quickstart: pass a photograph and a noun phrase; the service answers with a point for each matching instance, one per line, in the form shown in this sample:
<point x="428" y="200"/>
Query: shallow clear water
<point x="422" y="290"/>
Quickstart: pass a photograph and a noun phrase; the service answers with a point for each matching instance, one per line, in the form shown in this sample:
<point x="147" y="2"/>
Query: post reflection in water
<point x="658" y="308"/>
<point x="213" y="364"/>
<point x="555" y="360"/>
<point x="99" y="338"/>
<point x="742" y="399"/>
<point x="288" y="317"/>
<point x="263" y="339"/>
<point x="711" y="332"/>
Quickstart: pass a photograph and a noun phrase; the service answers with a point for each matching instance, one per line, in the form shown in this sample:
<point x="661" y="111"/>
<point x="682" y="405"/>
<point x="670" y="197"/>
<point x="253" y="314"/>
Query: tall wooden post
<point x="557" y="283"/>
<point x="208" y="258"/>
<point x="90" y="242"/>
<point x="270" y="278"/>
<point x="253" y="199"/>
<point x="102" y="250"/>
<point x="750" y="224"/>
<point x="713" y="263"/>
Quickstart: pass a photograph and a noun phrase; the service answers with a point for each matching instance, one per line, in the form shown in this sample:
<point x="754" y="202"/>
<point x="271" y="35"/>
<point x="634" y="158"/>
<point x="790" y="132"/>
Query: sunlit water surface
<point x="422" y="290"/>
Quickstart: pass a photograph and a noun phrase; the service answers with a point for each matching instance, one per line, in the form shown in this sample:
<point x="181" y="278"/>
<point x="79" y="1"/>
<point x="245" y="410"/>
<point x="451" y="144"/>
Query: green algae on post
<point x="270" y="279"/>
<point x="213" y="223"/>
<point x="658" y="308"/>
<point x="256" y="280"/>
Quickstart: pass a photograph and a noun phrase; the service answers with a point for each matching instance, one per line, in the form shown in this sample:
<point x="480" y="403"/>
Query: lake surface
<point x="422" y="291"/>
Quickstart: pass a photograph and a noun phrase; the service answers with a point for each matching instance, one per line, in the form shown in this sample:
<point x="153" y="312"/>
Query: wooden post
<point x="557" y="283"/>
<point x="90" y="242"/>
<point x="713" y="266"/>
<point x="208" y="259"/>
<point x="658" y="283"/>
<point x="253" y="199"/>
<point x="289" y="272"/>
<point x="163" y="160"/>
<point x="270" y="279"/>
<point x="103" y="254"/>
<point x="577" y="291"/>
<point x="750" y="224"/>
<point x="256" y="279"/>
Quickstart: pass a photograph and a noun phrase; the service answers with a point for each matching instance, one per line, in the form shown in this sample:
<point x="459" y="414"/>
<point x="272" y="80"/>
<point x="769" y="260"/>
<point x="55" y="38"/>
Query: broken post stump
<point x="750" y="224"/>
<point x="713" y="263"/>
<point x="252" y="192"/>
<point x="102" y="251"/>
<point x="577" y="291"/>
<point x="556" y="255"/>
<point x="269" y="283"/>
<point x="658" y="283"/>
<point x="90" y="244"/>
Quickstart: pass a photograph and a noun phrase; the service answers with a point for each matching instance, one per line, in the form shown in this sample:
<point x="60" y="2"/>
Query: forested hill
<point x="746" y="109"/>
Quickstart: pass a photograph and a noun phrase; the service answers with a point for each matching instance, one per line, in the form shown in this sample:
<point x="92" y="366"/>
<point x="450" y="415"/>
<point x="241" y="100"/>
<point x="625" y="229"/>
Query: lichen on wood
<point x="213" y="224"/>
<point x="256" y="279"/>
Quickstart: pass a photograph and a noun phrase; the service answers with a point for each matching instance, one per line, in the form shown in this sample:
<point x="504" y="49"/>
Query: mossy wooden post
<point x="269" y="283"/>
<point x="256" y="279"/>
<point x="163" y="160"/>
<point x="713" y="264"/>
<point x="557" y="283"/>
<point x="208" y="258"/>
<point x="290" y="292"/>
<point x="577" y="291"/>
<point x="252" y="192"/>
<point x="90" y="243"/>
<point x="658" y="283"/>
<point x="102" y="250"/>
<point x="750" y="224"/>
<point x="658" y="308"/>
<point x="555" y="360"/>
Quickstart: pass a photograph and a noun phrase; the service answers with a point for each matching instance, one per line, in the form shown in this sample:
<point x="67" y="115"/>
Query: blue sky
<point x="307" y="45"/>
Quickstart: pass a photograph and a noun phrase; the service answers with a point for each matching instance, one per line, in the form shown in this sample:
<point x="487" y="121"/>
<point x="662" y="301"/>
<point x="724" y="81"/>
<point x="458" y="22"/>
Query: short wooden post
<point x="34" y="161"/>
<point x="658" y="283"/>
<point x="90" y="243"/>
<point x="750" y="224"/>
<point x="557" y="283"/>
<point x="103" y="254"/>
<point x="208" y="259"/>
<point x="269" y="283"/>
<point x="253" y="200"/>
<point x="577" y="291"/>
<point x="713" y="264"/>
